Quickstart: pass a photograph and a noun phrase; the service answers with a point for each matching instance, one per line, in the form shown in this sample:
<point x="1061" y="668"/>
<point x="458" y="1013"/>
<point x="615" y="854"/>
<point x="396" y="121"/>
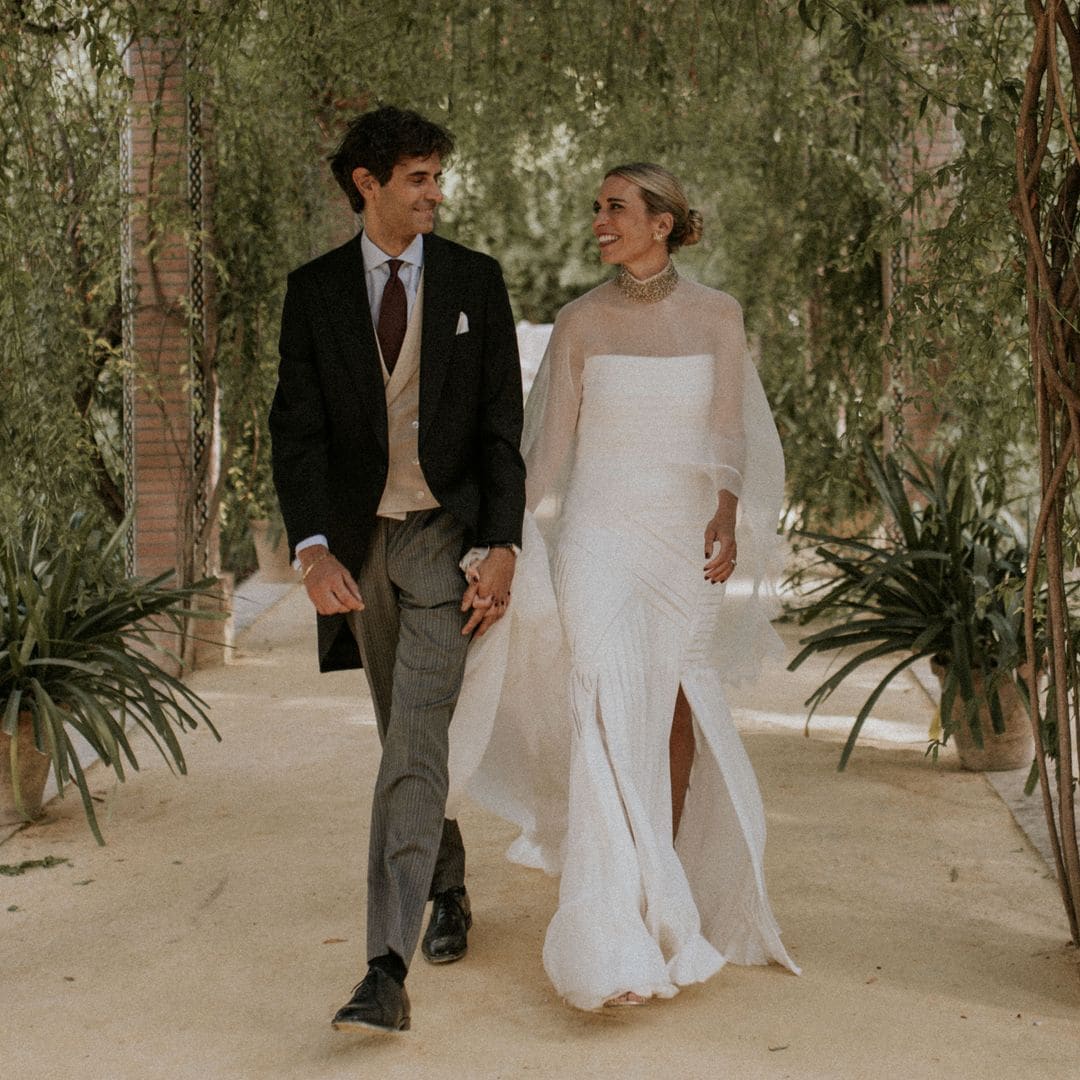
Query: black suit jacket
<point x="328" y="421"/>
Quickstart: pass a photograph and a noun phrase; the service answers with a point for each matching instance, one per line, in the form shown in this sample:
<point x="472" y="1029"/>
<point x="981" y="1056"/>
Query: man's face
<point x="405" y="205"/>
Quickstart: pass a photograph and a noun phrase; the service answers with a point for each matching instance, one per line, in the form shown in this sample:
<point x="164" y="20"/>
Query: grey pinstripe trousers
<point x="413" y="651"/>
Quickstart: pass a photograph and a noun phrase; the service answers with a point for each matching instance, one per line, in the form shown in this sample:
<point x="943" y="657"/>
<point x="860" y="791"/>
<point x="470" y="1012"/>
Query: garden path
<point x="222" y="925"/>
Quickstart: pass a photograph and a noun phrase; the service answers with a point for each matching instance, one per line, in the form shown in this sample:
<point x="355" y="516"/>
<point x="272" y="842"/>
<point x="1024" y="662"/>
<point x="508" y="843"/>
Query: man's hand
<point x="330" y="587"/>
<point x="488" y="593"/>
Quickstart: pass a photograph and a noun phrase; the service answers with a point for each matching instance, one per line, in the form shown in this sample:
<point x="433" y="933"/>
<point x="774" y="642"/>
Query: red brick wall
<point x="159" y="333"/>
<point x="170" y="471"/>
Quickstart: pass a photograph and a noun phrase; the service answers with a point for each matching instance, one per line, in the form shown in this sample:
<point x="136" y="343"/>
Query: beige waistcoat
<point x="406" y="489"/>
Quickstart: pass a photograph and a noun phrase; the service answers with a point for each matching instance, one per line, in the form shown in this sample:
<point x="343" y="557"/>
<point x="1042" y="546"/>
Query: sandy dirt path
<point x="222" y="925"/>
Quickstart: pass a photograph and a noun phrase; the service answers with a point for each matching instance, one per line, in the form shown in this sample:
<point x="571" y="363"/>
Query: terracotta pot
<point x="33" y="773"/>
<point x="1014" y="748"/>
<point x="271" y="551"/>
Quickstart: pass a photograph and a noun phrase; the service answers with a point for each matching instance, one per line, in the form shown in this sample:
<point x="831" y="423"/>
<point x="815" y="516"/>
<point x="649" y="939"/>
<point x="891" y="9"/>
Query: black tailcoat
<point x="329" y="420"/>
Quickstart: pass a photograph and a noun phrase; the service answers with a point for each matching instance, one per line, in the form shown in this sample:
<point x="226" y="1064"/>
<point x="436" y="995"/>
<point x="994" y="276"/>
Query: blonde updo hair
<point x="663" y="194"/>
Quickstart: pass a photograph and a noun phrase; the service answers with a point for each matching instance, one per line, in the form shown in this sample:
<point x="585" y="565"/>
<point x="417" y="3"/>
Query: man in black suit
<point x="395" y="427"/>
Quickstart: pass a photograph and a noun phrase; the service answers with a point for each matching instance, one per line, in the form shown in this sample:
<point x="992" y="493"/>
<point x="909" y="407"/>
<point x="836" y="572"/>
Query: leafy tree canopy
<point x="876" y="281"/>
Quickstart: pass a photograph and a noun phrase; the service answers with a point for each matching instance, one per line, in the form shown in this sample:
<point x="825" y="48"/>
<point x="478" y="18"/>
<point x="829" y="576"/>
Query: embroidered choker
<point x="651" y="289"/>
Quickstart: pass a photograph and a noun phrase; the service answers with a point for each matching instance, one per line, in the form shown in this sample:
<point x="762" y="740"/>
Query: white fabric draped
<point x="639" y="415"/>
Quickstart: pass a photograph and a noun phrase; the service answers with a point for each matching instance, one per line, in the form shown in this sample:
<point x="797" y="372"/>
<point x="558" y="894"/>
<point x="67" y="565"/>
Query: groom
<point x="395" y="425"/>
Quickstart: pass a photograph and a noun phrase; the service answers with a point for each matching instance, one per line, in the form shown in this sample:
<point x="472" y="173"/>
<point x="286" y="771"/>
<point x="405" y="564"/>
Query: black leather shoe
<point x="447" y="933"/>
<point x="377" y="1004"/>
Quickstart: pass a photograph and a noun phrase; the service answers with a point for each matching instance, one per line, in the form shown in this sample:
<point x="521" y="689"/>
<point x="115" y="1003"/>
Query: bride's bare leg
<point x="681" y="751"/>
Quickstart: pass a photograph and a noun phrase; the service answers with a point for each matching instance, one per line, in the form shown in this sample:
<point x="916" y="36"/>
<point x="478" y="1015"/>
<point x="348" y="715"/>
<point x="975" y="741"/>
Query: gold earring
<point x="659" y="236"/>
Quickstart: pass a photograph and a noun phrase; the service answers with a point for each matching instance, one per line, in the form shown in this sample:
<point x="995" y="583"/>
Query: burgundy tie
<point x="393" y="317"/>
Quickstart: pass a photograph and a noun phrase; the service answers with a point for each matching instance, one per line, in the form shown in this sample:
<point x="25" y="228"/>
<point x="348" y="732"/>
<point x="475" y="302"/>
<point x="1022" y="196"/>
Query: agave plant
<point x="946" y="582"/>
<point x="80" y="647"/>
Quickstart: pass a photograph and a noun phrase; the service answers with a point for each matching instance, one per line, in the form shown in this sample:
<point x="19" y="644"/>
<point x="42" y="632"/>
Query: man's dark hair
<point x="378" y="140"/>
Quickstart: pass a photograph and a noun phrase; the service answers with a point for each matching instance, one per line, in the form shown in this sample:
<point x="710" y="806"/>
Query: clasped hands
<point x="333" y="590"/>
<point x="488" y="591"/>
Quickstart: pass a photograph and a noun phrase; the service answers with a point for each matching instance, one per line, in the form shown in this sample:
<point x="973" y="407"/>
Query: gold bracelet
<point x="311" y="565"/>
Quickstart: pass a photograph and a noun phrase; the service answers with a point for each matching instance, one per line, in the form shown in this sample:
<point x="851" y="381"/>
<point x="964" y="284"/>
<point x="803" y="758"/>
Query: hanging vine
<point x="1047" y="205"/>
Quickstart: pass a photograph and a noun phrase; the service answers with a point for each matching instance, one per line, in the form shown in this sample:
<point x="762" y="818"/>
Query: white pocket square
<point x="462" y="323"/>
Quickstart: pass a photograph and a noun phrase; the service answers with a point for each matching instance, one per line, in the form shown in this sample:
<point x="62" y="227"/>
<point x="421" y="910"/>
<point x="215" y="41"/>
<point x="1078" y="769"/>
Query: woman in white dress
<point x="652" y="463"/>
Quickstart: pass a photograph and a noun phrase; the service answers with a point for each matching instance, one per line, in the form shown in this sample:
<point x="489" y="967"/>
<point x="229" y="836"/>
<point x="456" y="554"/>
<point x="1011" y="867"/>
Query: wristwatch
<point x="503" y="544"/>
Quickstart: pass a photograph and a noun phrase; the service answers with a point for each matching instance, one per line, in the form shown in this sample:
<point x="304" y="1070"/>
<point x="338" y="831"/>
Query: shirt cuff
<point x="476" y="555"/>
<point x="729" y="479"/>
<point x="311" y="541"/>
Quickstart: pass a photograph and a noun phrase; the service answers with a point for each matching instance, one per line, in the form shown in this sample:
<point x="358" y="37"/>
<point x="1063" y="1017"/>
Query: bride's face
<point x="626" y="231"/>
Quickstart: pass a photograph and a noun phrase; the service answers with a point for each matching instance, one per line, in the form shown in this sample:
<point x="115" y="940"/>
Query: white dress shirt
<point x="377" y="273"/>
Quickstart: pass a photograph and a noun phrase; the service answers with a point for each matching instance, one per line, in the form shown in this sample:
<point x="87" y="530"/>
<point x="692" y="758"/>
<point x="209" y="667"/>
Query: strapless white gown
<point x="577" y="753"/>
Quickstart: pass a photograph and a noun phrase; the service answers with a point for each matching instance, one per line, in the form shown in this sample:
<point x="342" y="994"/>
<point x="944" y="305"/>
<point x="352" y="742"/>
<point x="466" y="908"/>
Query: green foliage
<point x="880" y="287"/>
<point x="61" y="219"/>
<point x="81" y="650"/>
<point x="946" y="582"/>
<point x="271" y="211"/>
<point x="934" y="350"/>
<point x="249" y="495"/>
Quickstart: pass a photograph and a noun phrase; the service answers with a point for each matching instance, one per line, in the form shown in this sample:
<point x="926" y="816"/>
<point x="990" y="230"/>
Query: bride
<point x="654" y="470"/>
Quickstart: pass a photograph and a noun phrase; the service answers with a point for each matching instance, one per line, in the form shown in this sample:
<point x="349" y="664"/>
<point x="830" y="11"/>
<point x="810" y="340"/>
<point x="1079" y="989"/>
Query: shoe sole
<point x="363" y="1025"/>
<point x="444" y="959"/>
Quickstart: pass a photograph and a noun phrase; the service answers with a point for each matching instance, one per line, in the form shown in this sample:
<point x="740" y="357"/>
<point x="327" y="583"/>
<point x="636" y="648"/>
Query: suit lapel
<point x="441" y="307"/>
<point x="347" y="308"/>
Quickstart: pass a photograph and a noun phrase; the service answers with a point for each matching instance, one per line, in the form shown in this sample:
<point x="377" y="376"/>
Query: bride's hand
<point x="488" y="593"/>
<point x="720" y="551"/>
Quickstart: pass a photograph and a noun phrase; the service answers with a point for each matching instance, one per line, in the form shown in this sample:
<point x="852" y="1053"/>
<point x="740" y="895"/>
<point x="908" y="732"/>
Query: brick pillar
<point x="170" y="407"/>
<point x="170" y="401"/>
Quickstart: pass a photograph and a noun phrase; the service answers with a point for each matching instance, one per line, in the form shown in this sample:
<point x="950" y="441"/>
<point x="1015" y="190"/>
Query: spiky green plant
<point x="946" y="581"/>
<point x="80" y="646"/>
